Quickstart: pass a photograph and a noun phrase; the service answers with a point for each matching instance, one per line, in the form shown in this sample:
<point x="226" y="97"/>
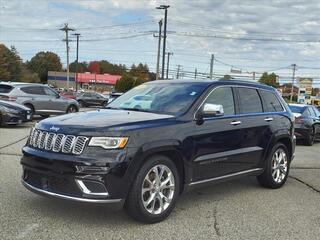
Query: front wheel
<point x="277" y="167"/>
<point x="154" y="192"/>
<point x="72" y="109"/>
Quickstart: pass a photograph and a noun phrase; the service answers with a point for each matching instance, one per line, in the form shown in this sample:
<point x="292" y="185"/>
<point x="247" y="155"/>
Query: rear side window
<point x="33" y="90"/>
<point x="5" y="88"/>
<point x="272" y="103"/>
<point x="222" y="96"/>
<point x="249" y="100"/>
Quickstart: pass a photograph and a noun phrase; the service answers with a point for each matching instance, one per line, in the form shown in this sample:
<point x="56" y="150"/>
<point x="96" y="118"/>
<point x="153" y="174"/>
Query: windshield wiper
<point x="134" y="109"/>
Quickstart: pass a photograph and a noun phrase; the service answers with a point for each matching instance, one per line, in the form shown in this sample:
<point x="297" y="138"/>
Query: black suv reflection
<point x="145" y="151"/>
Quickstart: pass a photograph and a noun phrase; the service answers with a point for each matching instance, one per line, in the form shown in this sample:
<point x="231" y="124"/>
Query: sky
<point x="251" y="36"/>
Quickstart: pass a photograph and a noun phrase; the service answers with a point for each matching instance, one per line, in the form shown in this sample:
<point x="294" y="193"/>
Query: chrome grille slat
<point x="57" y="142"/>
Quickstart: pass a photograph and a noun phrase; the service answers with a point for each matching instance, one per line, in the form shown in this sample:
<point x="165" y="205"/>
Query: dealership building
<point x="97" y="82"/>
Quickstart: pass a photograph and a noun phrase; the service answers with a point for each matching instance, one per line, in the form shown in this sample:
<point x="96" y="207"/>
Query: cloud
<point x="246" y="18"/>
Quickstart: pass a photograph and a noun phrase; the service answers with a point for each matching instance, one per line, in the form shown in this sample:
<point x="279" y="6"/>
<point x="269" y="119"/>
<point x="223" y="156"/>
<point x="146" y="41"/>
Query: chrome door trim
<point x="225" y="176"/>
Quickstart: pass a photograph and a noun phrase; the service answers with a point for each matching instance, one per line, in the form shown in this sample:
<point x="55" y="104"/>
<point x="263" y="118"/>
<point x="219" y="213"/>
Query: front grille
<point x="57" y="142"/>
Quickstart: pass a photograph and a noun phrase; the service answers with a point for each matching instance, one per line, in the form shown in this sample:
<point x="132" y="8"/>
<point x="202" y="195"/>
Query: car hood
<point x="13" y="105"/>
<point x="100" y="120"/>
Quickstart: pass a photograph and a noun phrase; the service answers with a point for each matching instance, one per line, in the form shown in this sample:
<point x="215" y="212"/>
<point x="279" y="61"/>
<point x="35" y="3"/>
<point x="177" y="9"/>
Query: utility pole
<point x="211" y="66"/>
<point x="165" y="7"/>
<point x="158" y="54"/>
<point x="168" y="63"/>
<point x="294" y="67"/>
<point x="178" y="71"/>
<point x="66" y="29"/>
<point x="77" y="59"/>
<point x="195" y="73"/>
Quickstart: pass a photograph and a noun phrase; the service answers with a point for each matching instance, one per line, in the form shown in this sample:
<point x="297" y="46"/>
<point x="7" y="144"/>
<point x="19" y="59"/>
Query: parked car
<point x="139" y="102"/>
<point x="88" y="99"/>
<point x="41" y="99"/>
<point x="13" y="113"/>
<point x="194" y="132"/>
<point x="114" y="96"/>
<point x="307" y="122"/>
<point x="70" y="95"/>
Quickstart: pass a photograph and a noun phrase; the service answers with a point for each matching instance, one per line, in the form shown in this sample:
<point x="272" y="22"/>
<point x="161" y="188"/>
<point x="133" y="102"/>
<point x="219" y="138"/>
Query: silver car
<point x="41" y="99"/>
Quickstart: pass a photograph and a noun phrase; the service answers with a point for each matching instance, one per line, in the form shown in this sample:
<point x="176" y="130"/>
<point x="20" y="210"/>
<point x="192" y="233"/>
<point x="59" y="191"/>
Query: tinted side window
<point x="222" y="96"/>
<point x="50" y="92"/>
<point x="87" y="95"/>
<point x="5" y="88"/>
<point x="311" y="112"/>
<point x="249" y="100"/>
<point x="33" y="90"/>
<point x="316" y="111"/>
<point x="271" y="101"/>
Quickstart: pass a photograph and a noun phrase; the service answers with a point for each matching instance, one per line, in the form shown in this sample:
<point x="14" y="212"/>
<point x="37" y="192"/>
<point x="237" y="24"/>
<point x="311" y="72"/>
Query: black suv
<point x="189" y="134"/>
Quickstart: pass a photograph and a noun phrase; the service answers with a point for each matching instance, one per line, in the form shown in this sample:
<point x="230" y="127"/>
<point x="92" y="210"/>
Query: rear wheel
<point x="311" y="138"/>
<point x="154" y="192"/>
<point x="277" y="167"/>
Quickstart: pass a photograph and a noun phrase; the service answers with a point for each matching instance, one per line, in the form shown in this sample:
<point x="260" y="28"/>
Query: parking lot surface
<point x="234" y="210"/>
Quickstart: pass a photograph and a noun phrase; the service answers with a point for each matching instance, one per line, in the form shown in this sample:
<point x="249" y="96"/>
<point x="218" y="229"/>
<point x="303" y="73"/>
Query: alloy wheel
<point x="158" y="189"/>
<point x="279" y="165"/>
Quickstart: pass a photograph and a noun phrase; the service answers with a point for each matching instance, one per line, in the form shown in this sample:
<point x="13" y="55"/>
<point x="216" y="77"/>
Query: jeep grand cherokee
<point x="193" y="133"/>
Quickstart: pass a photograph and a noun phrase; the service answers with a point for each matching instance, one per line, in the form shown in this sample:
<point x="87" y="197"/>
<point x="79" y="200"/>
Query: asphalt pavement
<point x="234" y="210"/>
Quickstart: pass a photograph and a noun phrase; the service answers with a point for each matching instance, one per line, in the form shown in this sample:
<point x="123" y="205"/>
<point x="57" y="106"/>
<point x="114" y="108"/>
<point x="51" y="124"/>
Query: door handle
<point x="268" y="119"/>
<point x="235" y="123"/>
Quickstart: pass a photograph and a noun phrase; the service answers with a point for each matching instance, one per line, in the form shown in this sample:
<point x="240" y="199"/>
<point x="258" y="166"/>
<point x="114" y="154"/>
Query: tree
<point x="43" y="62"/>
<point x="82" y="67"/>
<point x="10" y="64"/>
<point x="94" y="67"/>
<point x="107" y="67"/>
<point x="226" y="77"/>
<point x="269" y="79"/>
<point x="125" y="83"/>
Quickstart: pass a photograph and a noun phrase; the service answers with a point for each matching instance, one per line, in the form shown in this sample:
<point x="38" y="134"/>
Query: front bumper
<point x="302" y="133"/>
<point x="66" y="197"/>
<point x="77" y="177"/>
<point x="16" y="118"/>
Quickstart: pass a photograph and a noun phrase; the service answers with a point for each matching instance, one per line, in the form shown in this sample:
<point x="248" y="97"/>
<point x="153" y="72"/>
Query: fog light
<point x="92" y="188"/>
<point x="92" y="169"/>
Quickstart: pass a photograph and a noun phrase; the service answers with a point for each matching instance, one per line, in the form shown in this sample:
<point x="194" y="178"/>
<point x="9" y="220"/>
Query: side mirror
<point x="210" y="110"/>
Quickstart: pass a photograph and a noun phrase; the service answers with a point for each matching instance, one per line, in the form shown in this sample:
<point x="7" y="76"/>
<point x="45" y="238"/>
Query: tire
<point x="269" y="178"/>
<point x="82" y="104"/>
<point x="72" y="109"/>
<point x="134" y="204"/>
<point x="31" y="108"/>
<point x="311" y="138"/>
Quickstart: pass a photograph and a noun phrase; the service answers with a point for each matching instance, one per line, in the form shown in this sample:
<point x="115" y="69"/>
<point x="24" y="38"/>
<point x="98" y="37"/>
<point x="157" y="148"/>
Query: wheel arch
<point x="170" y="151"/>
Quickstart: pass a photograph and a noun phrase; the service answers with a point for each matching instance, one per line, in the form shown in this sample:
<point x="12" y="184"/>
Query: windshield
<point x="166" y="98"/>
<point x="296" y="109"/>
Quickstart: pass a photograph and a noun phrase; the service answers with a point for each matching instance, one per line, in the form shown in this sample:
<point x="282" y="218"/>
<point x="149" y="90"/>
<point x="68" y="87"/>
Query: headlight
<point x="109" y="142"/>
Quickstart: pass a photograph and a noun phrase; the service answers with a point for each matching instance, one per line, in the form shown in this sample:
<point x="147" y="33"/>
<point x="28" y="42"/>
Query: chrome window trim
<point x="236" y="115"/>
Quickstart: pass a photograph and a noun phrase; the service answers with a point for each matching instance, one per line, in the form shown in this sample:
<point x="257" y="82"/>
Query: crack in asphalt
<point x="306" y="184"/>
<point x="11" y="154"/>
<point x="216" y="224"/>
<point x="15" y="142"/>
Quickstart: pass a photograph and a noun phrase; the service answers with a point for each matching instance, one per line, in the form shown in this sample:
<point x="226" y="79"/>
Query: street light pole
<point x="158" y="54"/>
<point x="77" y="60"/>
<point x="66" y="29"/>
<point x="165" y="7"/>
<point x="168" y="63"/>
<point x="293" y="76"/>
